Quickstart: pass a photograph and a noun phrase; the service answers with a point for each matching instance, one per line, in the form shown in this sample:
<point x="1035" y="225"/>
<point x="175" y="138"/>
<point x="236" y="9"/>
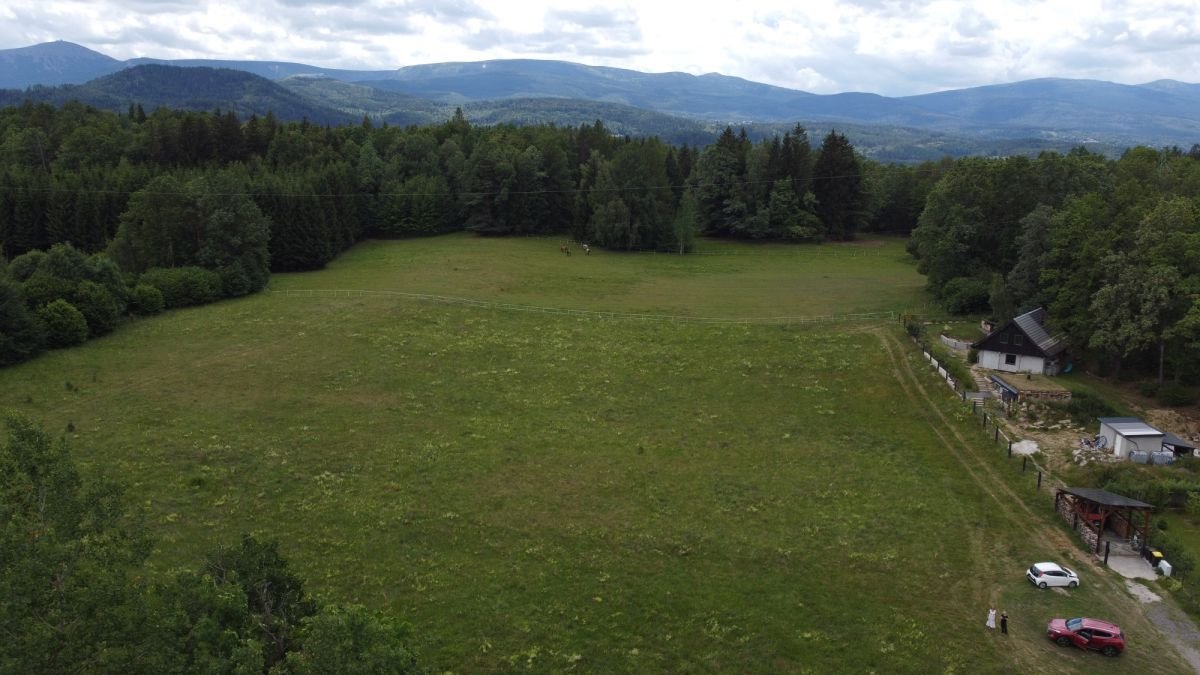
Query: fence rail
<point x="588" y="313"/>
<point x="979" y="410"/>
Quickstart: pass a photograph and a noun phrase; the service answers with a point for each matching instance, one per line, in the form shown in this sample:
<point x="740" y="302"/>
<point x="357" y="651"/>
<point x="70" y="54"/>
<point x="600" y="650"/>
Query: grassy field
<point x="540" y="492"/>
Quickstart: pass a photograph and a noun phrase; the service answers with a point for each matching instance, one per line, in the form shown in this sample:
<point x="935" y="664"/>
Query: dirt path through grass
<point x="1028" y="654"/>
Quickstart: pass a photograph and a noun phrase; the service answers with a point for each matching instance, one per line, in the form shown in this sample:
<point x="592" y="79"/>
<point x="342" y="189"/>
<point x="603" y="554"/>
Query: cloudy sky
<point x="892" y="47"/>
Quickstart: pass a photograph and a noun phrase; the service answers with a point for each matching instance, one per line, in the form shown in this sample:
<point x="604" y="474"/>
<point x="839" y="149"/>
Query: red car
<point x="1094" y="634"/>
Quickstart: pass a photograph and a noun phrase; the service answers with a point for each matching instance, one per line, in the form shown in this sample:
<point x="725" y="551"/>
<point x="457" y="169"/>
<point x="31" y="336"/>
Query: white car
<point x="1045" y="574"/>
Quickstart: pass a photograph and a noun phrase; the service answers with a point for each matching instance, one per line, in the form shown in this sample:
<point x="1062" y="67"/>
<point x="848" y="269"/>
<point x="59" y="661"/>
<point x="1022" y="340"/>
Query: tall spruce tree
<point x="838" y="186"/>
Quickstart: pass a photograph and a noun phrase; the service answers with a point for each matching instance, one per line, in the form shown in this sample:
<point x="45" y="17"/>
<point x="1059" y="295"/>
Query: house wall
<point x="1110" y="435"/>
<point x="1024" y="364"/>
<point x="1124" y="446"/>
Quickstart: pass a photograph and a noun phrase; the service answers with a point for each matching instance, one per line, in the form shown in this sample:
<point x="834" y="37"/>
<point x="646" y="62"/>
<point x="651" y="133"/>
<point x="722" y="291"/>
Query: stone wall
<point x="1067" y="511"/>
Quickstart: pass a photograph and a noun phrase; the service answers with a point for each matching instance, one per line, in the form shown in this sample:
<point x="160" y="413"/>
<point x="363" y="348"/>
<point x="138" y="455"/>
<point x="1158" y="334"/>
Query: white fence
<point x="955" y="344"/>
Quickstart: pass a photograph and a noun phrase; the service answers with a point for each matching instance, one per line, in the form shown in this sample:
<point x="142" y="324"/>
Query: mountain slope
<point x="188" y="88"/>
<point x="359" y="100"/>
<point x="1049" y="110"/>
<point x="53" y="63"/>
<point x="710" y="96"/>
<point x="1164" y="108"/>
<point x="272" y="70"/>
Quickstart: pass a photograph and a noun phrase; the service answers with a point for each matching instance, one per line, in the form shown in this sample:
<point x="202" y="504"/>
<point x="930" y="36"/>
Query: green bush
<point x="22" y="334"/>
<point x="1084" y="407"/>
<point x="98" y="307"/>
<point x="1193" y="503"/>
<point x="965" y="295"/>
<point x="146" y="300"/>
<point x="1183" y="563"/>
<point x="65" y="325"/>
<point x="184" y="286"/>
<point x="25" y="265"/>
<point x="1174" y="395"/>
<point x="1148" y="389"/>
<point x="42" y="289"/>
<point x="972" y="356"/>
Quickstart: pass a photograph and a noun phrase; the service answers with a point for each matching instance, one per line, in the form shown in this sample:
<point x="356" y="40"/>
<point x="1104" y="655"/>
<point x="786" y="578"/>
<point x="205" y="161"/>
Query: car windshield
<point x="1074" y="624"/>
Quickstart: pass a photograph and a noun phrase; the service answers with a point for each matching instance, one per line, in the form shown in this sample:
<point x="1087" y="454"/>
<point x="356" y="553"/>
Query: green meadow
<point x="536" y="491"/>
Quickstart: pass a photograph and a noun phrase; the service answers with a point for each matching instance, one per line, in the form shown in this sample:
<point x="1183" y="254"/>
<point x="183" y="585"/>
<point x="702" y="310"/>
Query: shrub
<point x="66" y="262"/>
<point x="146" y="300"/>
<point x="972" y="356"/>
<point x="42" y="289"/>
<point x="1183" y="563"/>
<point x="1193" y="503"/>
<point x="97" y="306"/>
<point x="184" y="286"/>
<point x="1174" y="395"/>
<point x="22" y="334"/>
<point x="1084" y="407"/>
<point x="965" y="295"/>
<point x="25" y="265"/>
<point x="1148" y="389"/>
<point x="65" y="325"/>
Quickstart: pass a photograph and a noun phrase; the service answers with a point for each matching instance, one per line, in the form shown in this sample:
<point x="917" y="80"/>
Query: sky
<point x="890" y="47"/>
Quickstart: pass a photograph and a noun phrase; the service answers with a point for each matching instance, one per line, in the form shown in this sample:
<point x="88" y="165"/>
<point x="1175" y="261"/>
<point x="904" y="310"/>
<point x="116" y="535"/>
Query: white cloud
<point x="893" y="47"/>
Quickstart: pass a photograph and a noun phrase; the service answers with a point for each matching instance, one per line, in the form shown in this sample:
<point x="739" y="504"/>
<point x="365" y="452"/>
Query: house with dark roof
<point x="1022" y="345"/>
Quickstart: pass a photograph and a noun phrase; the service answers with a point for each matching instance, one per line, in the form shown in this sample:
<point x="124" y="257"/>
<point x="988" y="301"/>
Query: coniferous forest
<point x="104" y="215"/>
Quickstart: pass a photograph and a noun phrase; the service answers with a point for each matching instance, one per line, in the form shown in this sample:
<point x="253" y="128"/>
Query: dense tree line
<point x="75" y="595"/>
<point x="1110" y="247"/>
<point x="102" y="215"/>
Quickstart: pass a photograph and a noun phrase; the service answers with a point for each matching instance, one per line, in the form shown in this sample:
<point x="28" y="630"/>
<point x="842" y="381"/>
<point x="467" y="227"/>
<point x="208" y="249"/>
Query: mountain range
<point x="1018" y="117"/>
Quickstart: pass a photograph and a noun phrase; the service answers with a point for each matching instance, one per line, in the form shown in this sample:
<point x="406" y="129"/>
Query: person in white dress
<point x="991" y="622"/>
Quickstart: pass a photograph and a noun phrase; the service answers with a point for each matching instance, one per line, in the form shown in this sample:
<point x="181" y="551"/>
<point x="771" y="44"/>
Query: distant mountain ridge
<point x="208" y="89"/>
<point x="1057" y="111"/>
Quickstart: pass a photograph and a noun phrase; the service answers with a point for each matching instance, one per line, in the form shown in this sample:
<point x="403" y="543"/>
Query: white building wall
<point x="1025" y="364"/>
<point x="990" y="360"/>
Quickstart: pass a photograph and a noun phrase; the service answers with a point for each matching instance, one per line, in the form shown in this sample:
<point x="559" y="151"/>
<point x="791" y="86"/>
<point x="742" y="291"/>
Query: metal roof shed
<point x="1177" y="445"/>
<point x="1125" y="434"/>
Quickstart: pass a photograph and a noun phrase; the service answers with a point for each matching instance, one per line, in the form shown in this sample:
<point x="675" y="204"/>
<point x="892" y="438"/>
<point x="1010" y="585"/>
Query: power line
<point x="469" y="193"/>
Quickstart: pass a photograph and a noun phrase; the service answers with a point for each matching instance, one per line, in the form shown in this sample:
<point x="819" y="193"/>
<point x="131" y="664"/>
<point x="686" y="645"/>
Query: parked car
<point x="1094" y="634"/>
<point x="1045" y="574"/>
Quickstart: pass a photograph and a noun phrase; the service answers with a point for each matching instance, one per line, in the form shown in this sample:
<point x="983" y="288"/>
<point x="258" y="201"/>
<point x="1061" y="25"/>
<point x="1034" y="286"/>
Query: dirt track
<point x="1028" y="656"/>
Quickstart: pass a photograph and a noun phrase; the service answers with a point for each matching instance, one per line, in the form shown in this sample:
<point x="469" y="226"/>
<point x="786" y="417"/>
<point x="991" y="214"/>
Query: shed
<point x="1022" y="345"/>
<point x="1094" y="513"/>
<point x="1177" y="445"/>
<point x="1125" y="434"/>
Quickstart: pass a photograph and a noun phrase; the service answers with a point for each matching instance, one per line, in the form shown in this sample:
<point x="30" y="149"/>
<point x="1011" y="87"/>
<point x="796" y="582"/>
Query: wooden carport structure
<point x="1094" y="507"/>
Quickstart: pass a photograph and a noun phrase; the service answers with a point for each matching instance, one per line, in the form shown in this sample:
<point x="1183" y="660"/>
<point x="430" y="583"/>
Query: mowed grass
<point x="537" y="492"/>
<point x="722" y="279"/>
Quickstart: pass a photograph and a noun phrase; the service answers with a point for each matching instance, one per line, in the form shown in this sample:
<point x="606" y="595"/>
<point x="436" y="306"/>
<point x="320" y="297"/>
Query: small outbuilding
<point x="1098" y="515"/>
<point x="1022" y="345"/>
<point x="1129" y="434"/>
<point x="1178" y="446"/>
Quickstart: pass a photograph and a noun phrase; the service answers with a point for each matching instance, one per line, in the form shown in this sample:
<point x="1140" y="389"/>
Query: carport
<point x="1098" y="511"/>
<point x="1177" y="445"/>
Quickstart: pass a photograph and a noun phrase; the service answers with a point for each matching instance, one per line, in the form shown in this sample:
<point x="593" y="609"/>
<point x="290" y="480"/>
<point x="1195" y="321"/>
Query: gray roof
<point x="1177" y="442"/>
<point x="1032" y="323"/>
<point x="1106" y="498"/>
<point x="1130" y="426"/>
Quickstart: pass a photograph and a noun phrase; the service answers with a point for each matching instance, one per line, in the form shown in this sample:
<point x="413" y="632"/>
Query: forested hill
<point x="404" y="109"/>
<point x="154" y="86"/>
<point x="1061" y="112"/>
<point x="53" y="63"/>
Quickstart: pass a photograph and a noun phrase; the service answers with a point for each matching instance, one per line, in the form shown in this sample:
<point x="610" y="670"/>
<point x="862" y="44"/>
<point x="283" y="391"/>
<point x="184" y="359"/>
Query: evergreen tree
<point x="838" y="187"/>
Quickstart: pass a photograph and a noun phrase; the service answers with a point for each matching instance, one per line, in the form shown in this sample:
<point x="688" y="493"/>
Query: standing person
<point x="991" y="622"/>
<point x="1004" y="623"/>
